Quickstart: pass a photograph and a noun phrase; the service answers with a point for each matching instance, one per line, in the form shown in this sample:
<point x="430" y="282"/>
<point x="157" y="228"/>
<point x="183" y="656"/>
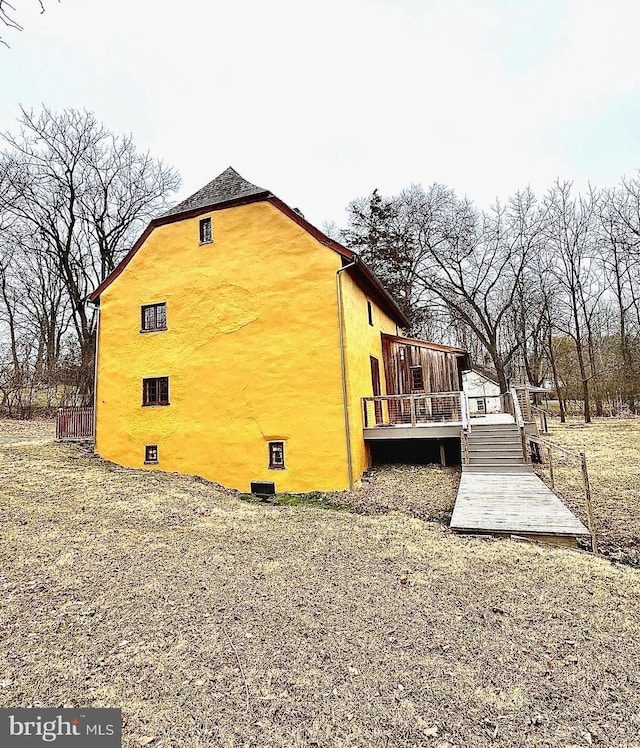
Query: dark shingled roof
<point x="229" y="189"/>
<point x="227" y="186"/>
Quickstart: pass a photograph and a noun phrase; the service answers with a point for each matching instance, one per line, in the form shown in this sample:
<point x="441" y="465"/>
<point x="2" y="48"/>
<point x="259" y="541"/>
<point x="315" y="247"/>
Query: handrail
<point x="517" y="414"/>
<point x="582" y="457"/>
<point x="552" y="445"/>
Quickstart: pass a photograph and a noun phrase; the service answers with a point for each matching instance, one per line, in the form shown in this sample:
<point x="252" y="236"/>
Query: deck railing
<point x="524" y="401"/>
<point x="412" y="410"/>
<point x="540" y="415"/>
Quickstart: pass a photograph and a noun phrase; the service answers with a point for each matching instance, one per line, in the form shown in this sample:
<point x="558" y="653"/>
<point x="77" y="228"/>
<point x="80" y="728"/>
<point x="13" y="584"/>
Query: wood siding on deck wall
<point x="440" y="368"/>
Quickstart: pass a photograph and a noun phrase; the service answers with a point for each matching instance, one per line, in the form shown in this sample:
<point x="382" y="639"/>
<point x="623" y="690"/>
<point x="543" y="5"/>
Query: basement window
<point x="259" y="488"/>
<point x="155" y="391"/>
<point x="153" y="317"/>
<point x="417" y="379"/>
<point x="276" y="455"/>
<point x="151" y="454"/>
<point x="370" y="312"/>
<point x="206" y="231"/>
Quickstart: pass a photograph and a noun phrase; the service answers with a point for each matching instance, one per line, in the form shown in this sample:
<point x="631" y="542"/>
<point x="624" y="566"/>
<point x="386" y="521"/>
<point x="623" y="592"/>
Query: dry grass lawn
<point x="612" y="446"/>
<point x="215" y="622"/>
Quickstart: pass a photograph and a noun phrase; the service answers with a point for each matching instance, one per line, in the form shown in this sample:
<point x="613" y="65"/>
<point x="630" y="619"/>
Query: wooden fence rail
<point x="545" y="449"/>
<point x="74" y="424"/>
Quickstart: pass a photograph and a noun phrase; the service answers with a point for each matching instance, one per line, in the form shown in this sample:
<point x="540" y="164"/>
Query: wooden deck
<point x="513" y="504"/>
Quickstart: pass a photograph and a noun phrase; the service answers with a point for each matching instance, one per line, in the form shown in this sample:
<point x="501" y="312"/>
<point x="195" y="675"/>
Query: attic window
<point x="276" y="455"/>
<point x="417" y="379"/>
<point x="206" y="232"/>
<point x="151" y="454"/>
<point x="370" y="312"/>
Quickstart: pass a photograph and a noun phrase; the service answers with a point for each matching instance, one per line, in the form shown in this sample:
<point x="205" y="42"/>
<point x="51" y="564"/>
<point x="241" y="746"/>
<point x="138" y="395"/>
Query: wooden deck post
<point x="587" y="493"/>
<point x="465" y="447"/>
<point x="443" y="456"/>
<point x="523" y="441"/>
<point x="553" y="483"/>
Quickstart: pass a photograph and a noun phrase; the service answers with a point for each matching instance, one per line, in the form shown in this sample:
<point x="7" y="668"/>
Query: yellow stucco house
<point x="235" y="342"/>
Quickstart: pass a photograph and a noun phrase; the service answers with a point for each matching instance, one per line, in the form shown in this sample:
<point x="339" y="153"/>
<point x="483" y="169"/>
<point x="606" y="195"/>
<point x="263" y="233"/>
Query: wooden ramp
<point x="513" y="504"/>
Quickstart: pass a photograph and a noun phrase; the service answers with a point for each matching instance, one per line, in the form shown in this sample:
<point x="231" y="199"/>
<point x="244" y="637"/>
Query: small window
<point x="153" y="317"/>
<point x="155" y="391"/>
<point x="276" y="455"/>
<point x="151" y="454"/>
<point x="370" y="312"/>
<point x="480" y="404"/>
<point x="417" y="379"/>
<point x="206" y="233"/>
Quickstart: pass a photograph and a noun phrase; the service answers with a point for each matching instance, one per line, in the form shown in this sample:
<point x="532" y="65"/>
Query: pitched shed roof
<point x="225" y="187"/>
<point x="228" y="190"/>
<point x="486" y="372"/>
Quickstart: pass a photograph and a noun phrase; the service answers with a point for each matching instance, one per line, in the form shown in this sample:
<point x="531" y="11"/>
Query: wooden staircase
<point x="495" y="448"/>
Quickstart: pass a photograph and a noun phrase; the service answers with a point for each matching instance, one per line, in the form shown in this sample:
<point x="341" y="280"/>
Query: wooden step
<point x="493" y="427"/>
<point x="499" y="435"/>
<point x="497" y="469"/>
<point x="495" y="446"/>
<point x="499" y="452"/>
<point x="496" y="460"/>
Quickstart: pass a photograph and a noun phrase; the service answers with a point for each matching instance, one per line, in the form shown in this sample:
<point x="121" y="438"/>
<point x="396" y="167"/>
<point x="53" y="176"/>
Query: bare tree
<point x="76" y="195"/>
<point x="570" y="238"/>
<point x="8" y="19"/>
<point x="619" y="223"/>
<point x="436" y="252"/>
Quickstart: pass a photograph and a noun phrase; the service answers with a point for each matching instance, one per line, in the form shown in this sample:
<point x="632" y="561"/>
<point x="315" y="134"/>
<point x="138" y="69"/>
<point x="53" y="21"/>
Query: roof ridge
<point x="229" y="185"/>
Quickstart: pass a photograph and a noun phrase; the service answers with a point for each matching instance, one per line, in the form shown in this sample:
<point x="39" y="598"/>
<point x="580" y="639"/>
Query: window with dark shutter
<point x="206" y="232"/>
<point x="155" y="391"/>
<point x="153" y="317"/>
<point x="276" y="455"/>
<point x="370" y="312"/>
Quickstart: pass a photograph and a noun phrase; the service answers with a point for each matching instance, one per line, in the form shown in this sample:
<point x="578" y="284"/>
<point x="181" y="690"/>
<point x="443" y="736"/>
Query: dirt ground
<point x="612" y="447"/>
<point x="215" y="622"/>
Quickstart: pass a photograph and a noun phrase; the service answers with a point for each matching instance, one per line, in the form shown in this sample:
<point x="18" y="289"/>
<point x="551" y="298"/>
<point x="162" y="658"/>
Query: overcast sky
<point x="323" y="102"/>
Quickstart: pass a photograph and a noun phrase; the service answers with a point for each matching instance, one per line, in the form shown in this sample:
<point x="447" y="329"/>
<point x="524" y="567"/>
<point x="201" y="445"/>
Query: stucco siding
<point x="362" y="341"/>
<point x="251" y="352"/>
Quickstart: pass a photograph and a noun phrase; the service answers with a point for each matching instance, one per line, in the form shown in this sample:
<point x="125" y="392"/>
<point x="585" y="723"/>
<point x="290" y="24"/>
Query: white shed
<point x="482" y="391"/>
